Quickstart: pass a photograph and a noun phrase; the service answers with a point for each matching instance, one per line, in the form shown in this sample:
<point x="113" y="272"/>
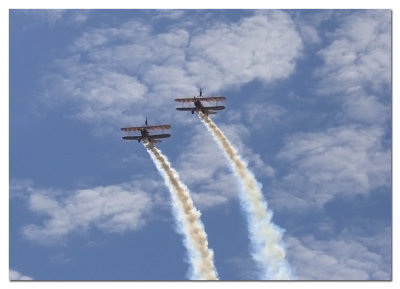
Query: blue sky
<point x="308" y="107"/>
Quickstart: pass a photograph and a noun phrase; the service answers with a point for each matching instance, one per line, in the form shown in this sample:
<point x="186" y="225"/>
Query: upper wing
<point x="153" y="127"/>
<point x="214" y="98"/>
<point x="158" y="127"/>
<point x="134" y="128"/>
<point x="191" y="99"/>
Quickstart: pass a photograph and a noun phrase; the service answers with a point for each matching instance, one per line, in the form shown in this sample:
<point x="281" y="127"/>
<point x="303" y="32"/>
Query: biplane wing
<point x="155" y="136"/>
<point x="151" y="138"/>
<point x="186" y="108"/>
<point x="218" y="107"/>
<point x="193" y="99"/>
<point x="130" y="137"/>
<point x="150" y="127"/>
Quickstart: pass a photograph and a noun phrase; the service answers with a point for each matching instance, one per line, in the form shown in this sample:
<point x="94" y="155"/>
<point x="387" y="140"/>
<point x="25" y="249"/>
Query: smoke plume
<point x="265" y="237"/>
<point x="188" y="220"/>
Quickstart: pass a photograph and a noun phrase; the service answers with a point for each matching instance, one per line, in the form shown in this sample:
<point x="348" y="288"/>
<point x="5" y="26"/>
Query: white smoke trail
<point x="188" y="219"/>
<point x="265" y="237"/>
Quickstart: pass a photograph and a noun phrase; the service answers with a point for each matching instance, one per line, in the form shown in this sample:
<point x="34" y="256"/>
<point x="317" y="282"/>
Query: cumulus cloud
<point x="359" y="55"/>
<point x="203" y="165"/>
<point x="349" y="157"/>
<point x="264" y="115"/>
<point x="15" y="275"/>
<point x="347" y="257"/>
<point x="112" y="73"/>
<point x="114" y="209"/>
<point x="264" y="46"/>
<point x="360" y="107"/>
<point x="346" y="160"/>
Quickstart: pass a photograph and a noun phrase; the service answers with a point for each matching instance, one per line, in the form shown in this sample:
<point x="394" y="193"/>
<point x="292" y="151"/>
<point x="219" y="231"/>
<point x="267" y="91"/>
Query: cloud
<point x="15" y="275"/>
<point x="309" y="23"/>
<point x="52" y="17"/>
<point x="112" y="73"/>
<point x="78" y="17"/>
<point x="359" y="107"/>
<point x="346" y="160"/>
<point x="49" y="15"/>
<point x="113" y="209"/>
<point x="203" y="167"/>
<point x="169" y="14"/>
<point x="359" y="55"/>
<point x="264" y="47"/>
<point x="347" y="257"/>
<point x="350" y="156"/>
<point x="264" y="115"/>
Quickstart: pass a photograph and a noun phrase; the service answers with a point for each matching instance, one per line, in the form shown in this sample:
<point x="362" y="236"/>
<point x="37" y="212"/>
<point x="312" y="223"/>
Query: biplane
<point x="198" y="105"/>
<point x="144" y="131"/>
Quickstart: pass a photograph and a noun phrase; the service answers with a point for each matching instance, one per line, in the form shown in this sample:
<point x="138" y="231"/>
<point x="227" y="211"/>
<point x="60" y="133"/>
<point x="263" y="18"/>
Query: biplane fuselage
<point x="145" y="135"/>
<point x="200" y="107"/>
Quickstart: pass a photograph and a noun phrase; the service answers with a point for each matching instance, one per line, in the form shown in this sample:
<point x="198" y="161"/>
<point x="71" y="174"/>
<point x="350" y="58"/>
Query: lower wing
<point x="220" y="107"/>
<point x="132" y="137"/>
<point x="156" y="136"/>
<point x="186" y="108"/>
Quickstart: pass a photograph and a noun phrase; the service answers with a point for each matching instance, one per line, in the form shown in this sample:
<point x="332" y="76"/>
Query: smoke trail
<point x="265" y="237"/>
<point x="188" y="219"/>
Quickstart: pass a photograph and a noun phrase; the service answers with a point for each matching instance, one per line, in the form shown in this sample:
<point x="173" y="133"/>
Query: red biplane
<point x="145" y="136"/>
<point x="198" y="106"/>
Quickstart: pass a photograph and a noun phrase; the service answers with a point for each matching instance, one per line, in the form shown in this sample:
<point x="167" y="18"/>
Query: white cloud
<point x="359" y="55"/>
<point x="170" y="13"/>
<point x="345" y="258"/>
<point x="308" y="23"/>
<point x="365" y="109"/>
<point x="21" y="188"/>
<point x="262" y="115"/>
<point x="309" y="34"/>
<point x="346" y="160"/>
<point x="106" y="93"/>
<point x="203" y="165"/>
<point x="50" y="15"/>
<point x="349" y="159"/>
<point x="264" y="46"/>
<point x="78" y="17"/>
<point x="115" y="209"/>
<point x="15" y="275"/>
<point x="113" y="73"/>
